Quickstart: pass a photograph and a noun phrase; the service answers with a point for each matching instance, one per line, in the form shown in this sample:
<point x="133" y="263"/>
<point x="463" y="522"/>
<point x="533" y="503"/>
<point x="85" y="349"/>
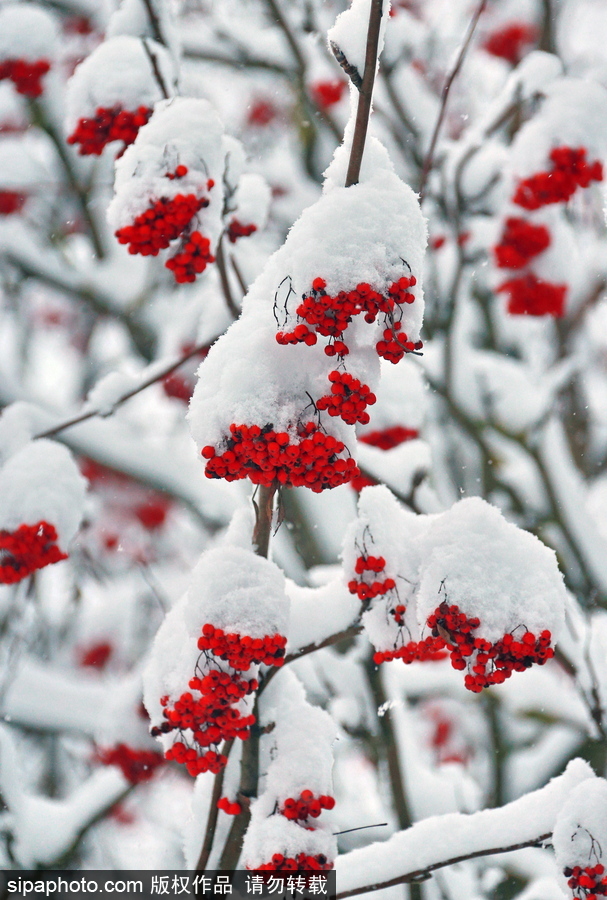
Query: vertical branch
<point x="207" y="844"/>
<point x="363" y="110"/>
<point x="445" y="96"/>
<point x="263" y="519"/>
<point x="224" y="278"/>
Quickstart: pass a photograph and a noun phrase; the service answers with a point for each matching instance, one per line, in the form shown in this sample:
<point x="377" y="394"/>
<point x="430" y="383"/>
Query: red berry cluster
<point x="427" y="650"/>
<point x="240" y="651"/>
<point x="509" y="42"/>
<point x="211" y="718"/>
<point x="97" y="656"/>
<point x="330" y="316"/>
<point x="192" y="259"/>
<point x="570" y="170"/>
<point x="136" y="765"/>
<point x="154" y="229"/>
<point x="327" y="93"/>
<point x="531" y="296"/>
<point x="505" y="656"/>
<point x="300" y="863"/>
<point x="587" y="883"/>
<point x="367" y="590"/>
<point x="107" y="125"/>
<point x="348" y="399"/>
<point x="11" y="202"/>
<point x="26" y="76"/>
<point x="395" y="344"/>
<point x="389" y="438"/>
<point x="28" y="548"/>
<point x="307" y="806"/>
<point x="237" y="230"/>
<point x="266" y="456"/>
<point x="180" y="387"/>
<point x="229" y="807"/>
<point x="520" y="242"/>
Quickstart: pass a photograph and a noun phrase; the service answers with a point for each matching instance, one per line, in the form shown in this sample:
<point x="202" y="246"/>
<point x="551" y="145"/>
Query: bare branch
<point x="363" y="110"/>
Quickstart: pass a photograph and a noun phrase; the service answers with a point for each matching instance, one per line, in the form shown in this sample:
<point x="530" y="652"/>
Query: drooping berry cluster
<point x="587" y="883"/>
<point x="520" y="242"/>
<point x="137" y="766"/>
<point x="367" y="589"/>
<point x="348" y="399"/>
<point x="237" y="230"/>
<point x="209" y="718"/>
<point x="306" y="806"/>
<point x="212" y="716"/>
<point x="511" y="41"/>
<point x="263" y="455"/>
<point x="25" y="75"/>
<point x="240" y="651"/>
<point x="487" y="663"/>
<point x="192" y="258"/>
<point x="11" y="202"/>
<point x="28" y="548"/>
<point x="395" y="344"/>
<point x="570" y="170"/>
<point x="529" y="295"/>
<point x="300" y="863"/>
<point x="231" y="808"/>
<point x="154" y="229"/>
<point x="93" y="133"/>
<point x="330" y="316"/>
<point x="429" y="649"/>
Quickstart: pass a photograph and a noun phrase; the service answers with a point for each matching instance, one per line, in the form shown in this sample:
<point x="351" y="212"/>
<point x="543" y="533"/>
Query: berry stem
<point x="209" y="835"/>
<point x="365" y="95"/>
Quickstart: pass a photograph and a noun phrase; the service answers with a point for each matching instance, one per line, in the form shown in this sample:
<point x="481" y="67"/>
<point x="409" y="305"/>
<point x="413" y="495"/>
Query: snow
<point x="41" y="482"/>
<point x="118" y="73"/>
<point x="27" y="32"/>
<point x="580" y="832"/>
<point x="439" y="838"/>
<point x="350" y="32"/>
<point x="319" y="612"/>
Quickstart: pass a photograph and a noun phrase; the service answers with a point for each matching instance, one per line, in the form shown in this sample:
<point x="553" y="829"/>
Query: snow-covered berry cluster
<point x="523" y="241"/>
<point x="25" y="75"/>
<point x="136" y="765"/>
<point x="579" y="840"/>
<point x="306" y="806"/>
<point x="28" y="548"/>
<point x="93" y="133"/>
<point x="312" y="458"/>
<point x="588" y="883"/>
<point x="229" y="623"/>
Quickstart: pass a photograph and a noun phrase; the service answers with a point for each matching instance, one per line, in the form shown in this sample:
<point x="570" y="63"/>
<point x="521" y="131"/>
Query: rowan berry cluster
<point x="154" y="229"/>
<point x="520" y="242"/>
<point x="510" y="42"/>
<point x="487" y="663"/>
<point x="306" y="806"/>
<point x="367" y="590"/>
<point x="348" y="399"/>
<point x="192" y="259"/>
<point x="116" y="124"/>
<point x="210" y="718"/>
<point x="11" y="202"/>
<point x="327" y="93"/>
<point x="237" y="230"/>
<point x="28" y="548"/>
<point x="570" y="170"/>
<point x="26" y="76"/>
<point x="587" y="883"/>
<point x="429" y="649"/>
<point x="395" y="344"/>
<point x="330" y="316"/>
<point x="137" y="766"/>
<point x="300" y="863"/>
<point x="240" y="651"/>
<point x="388" y="438"/>
<point x="265" y="456"/>
<point x="231" y="808"/>
<point x="531" y="296"/>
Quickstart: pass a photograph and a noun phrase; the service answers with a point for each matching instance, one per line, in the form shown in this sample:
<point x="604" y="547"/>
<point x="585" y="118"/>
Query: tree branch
<point x="207" y="844"/>
<point x="365" y="95"/>
<point x="445" y="96"/>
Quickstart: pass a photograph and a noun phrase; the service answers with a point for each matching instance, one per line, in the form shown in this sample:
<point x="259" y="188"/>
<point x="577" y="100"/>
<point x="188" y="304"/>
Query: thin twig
<point x="207" y="844"/>
<point x="225" y="281"/>
<point x="155" y="68"/>
<point x="445" y="96"/>
<point x="422" y="874"/>
<point x="154" y="22"/>
<point x="84" y="417"/>
<point x="365" y="95"/>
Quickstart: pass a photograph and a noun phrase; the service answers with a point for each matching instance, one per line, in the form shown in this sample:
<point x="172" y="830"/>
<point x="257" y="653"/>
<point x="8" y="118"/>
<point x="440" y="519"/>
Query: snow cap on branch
<point x="349" y="33"/>
<point x="27" y="32"/>
<point x="118" y="73"/>
<point x="580" y="832"/>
